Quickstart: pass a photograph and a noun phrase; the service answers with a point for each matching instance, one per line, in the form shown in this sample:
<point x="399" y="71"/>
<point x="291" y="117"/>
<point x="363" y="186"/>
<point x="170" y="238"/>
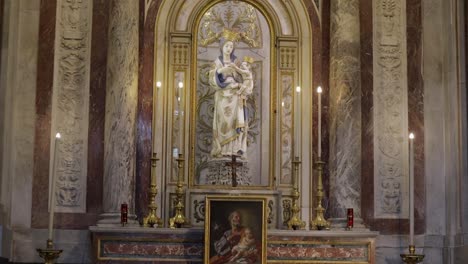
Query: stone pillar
<point x="121" y="109"/>
<point x="345" y="110"/>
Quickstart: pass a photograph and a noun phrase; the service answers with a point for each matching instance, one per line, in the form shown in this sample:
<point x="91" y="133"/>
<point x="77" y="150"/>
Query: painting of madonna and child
<point x="235" y="230"/>
<point x="233" y="95"/>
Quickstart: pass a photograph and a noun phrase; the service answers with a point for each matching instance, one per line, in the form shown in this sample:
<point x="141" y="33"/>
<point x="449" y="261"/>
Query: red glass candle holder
<point x="350" y="217"/>
<point x="123" y="214"/>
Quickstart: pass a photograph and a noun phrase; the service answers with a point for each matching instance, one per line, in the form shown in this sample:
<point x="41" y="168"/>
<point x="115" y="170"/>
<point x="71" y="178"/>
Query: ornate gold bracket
<point x="179" y="218"/>
<point x="295" y="222"/>
<point x="49" y="254"/>
<point x="319" y="223"/>
<point x="152" y="220"/>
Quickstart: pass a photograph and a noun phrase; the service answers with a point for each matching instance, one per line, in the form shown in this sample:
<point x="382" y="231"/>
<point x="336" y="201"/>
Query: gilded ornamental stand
<point x="179" y="218"/>
<point x="49" y="254"/>
<point x="152" y="220"/>
<point x="412" y="258"/>
<point x="295" y="221"/>
<point x="319" y="223"/>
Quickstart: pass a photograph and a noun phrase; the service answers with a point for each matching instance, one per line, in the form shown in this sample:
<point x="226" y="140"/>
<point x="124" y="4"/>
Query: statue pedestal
<point x="136" y="244"/>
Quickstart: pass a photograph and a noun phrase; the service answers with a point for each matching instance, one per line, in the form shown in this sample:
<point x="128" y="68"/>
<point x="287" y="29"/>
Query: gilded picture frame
<point x="235" y="229"/>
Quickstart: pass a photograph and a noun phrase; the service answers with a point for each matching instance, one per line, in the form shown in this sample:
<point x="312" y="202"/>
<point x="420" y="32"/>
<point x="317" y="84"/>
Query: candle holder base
<point x="49" y="254"/>
<point x="412" y="258"/>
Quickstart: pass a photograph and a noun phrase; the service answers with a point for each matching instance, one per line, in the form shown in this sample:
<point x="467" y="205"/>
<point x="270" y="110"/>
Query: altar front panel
<point x="140" y="245"/>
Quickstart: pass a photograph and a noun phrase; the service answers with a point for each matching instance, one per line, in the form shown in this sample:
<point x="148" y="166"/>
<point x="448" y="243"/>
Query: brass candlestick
<point x="152" y="220"/>
<point x="295" y="221"/>
<point x="319" y="223"/>
<point x="49" y="254"/>
<point x="412" y="258"/>
<point x="179" y="218"/>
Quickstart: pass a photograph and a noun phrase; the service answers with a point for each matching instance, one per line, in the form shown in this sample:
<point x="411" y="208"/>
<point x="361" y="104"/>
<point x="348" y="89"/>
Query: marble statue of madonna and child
<point x="232" y="81"/>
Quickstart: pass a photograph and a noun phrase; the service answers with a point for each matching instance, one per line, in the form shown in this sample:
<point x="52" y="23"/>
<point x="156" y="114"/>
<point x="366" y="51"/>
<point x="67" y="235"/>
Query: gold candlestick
<point x="412" y="258"/>
<point x="179" y="218"/>
<point x="319" y="223"/>
<point x="295" y="221"/>
<point x="152" y="220"/>
<point x="49" y="254"/>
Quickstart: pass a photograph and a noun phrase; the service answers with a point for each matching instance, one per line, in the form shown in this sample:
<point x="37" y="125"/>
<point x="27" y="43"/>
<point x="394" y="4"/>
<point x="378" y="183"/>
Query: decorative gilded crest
<point x="235" y="21"/>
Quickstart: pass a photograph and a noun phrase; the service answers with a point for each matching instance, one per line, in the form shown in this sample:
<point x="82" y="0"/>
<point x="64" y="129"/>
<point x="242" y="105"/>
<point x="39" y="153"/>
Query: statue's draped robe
<point x="230" y="126"/>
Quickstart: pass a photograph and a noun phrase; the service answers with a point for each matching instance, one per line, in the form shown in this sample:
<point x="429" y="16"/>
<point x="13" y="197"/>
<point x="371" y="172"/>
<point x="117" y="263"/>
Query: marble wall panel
<point x="345" y="109"/>
<point x="96" y="118"/>
<point x="415" y="116"/>
<point x="320" y="71"/>
<point x="70" y="105"/>
<point x="45" y="75"/>
<point x="146" y="84"/>
<point x="390" y="110"/>
<point x="121" y="107"/>
<point x="97" y="107"/>
<point x="2" y="4"/>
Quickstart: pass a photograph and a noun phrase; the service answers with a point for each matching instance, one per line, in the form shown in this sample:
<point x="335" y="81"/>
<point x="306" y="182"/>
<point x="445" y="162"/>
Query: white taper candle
<point x="297" y="121"/>
<point x="411" y="187"/>
<point x="52" y="188"/>
<point x="319" y="123"/>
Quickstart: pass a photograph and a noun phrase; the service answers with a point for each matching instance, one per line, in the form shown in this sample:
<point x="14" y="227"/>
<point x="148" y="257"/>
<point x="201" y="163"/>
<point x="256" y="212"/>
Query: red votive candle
<point x="350" y="215"/>
<point x="123" y="213"/>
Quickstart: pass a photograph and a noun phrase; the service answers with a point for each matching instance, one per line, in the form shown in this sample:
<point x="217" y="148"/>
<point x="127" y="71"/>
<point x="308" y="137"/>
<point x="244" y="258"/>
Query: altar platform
<point x="186" y="245"/>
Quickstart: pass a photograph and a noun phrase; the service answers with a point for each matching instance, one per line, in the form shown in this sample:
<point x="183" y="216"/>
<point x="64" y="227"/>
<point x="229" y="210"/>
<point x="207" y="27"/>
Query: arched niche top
<point x="282" y="10"/>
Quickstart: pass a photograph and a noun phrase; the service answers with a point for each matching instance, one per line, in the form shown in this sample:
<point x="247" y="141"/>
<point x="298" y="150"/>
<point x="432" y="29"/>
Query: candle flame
<point x="58" y="135"/>
<point x="411" y="136"/>
<point x="158" y="84"/>
<point x="181" y="84"/>
<point x="282" y="103"/>
<point x="298" y="89"/>
<point x="319" y="89"/>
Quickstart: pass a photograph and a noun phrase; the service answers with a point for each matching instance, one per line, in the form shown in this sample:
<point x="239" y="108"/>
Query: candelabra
<point x="179" y="218"/>
<point x="152" y="219"/>
<point x="319" y="223"/>
<point x="412" y="258"/>
<point x="295" y="221"/>
<point x="49" y="254"/>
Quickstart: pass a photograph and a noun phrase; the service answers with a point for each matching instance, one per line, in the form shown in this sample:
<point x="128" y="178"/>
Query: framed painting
<point x="235" y="229"/>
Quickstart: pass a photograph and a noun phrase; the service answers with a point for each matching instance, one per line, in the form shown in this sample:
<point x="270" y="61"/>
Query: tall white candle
<point x="180" y="114"/>
<point x="52" y="189"/>
<point x="297" y="121"/>
<point x="411" y="187"/>
<point x="155" y="107"/>
<point x="319" y="125"/>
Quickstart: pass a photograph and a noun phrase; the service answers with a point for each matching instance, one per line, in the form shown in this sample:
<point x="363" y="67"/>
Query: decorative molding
<point x="390" y="110"/>
<point x="70" y="105"/>
<point x="288" y="58"/>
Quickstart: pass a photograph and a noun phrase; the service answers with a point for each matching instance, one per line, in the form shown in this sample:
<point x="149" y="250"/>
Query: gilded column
<point x="121" y="109"/>
<point x="345" y="110"/>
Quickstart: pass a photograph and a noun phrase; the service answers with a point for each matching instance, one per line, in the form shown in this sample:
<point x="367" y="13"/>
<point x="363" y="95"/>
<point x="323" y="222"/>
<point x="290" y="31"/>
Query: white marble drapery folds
<point x="121" y="109"/>
<point x="345" y="109"/>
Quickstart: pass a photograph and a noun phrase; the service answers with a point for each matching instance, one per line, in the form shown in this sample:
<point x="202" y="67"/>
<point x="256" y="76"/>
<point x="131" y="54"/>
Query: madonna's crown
<point x="230" y="35"/>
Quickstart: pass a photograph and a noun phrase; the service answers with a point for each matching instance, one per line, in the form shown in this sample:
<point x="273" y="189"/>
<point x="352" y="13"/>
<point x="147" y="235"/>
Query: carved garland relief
<point x="70" y="104"/>
<point x="390" y="110"/>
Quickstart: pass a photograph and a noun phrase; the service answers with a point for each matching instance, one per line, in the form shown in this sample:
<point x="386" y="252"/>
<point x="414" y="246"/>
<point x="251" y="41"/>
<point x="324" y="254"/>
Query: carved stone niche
<point x="196" y="206"/>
